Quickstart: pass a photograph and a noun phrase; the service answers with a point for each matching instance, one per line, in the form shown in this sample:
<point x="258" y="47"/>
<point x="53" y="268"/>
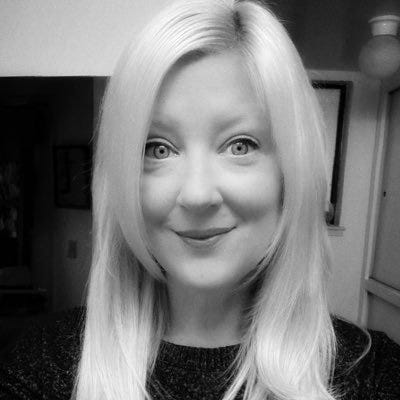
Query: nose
<point x="199" y="191"/>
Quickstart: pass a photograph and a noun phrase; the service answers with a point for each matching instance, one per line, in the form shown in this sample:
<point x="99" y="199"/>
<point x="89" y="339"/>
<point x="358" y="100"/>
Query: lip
<point x="203" y="234"/>
<point x="203" y="239"/>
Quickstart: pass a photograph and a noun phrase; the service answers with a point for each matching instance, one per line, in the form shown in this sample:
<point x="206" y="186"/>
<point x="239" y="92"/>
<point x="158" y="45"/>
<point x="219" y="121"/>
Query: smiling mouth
<point x="203" y="234"/>
<point x="203" y="239"/>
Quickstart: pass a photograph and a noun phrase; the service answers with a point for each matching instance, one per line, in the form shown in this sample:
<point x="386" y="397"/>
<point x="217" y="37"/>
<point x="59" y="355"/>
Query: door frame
<point x="368" y="284"/>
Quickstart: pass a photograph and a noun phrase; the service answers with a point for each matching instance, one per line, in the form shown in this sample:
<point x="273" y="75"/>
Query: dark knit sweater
<point x="42" y="365"/>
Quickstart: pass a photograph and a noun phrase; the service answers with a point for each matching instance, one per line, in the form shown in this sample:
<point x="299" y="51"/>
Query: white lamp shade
<point x="380" y="57"/>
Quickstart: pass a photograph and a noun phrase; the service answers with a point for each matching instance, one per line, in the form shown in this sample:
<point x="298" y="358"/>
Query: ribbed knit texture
<point x="183" y="372"/>
<point x="43" y="363"/>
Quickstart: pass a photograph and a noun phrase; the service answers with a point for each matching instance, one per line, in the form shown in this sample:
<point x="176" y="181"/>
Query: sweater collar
<point x="197" y="358"/>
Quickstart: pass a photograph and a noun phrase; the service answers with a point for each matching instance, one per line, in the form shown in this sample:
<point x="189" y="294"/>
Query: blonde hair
<point x="288" y="349"/>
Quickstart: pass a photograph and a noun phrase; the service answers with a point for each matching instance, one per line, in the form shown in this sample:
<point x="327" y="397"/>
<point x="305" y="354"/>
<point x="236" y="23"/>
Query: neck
<point x="204" y="317"/>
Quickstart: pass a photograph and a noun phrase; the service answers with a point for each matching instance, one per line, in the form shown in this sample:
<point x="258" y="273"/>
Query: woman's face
<point x="211" y="184"/>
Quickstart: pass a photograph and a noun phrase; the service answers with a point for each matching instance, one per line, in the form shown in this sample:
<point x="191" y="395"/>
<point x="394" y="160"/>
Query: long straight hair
<point x="288" y="348"/>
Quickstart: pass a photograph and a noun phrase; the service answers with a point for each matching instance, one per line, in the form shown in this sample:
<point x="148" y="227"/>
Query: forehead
<point x="217" y="84"/>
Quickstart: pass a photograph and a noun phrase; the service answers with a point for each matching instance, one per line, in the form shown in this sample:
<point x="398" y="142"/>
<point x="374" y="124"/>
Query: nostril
<point x="199" y="200"/>
<point x="199" y="192"/>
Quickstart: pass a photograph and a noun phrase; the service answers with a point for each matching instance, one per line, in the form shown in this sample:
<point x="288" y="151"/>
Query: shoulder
<point x="61" y="337"/>
<point x="43" y="361"/>
<point x="367" y="363"/>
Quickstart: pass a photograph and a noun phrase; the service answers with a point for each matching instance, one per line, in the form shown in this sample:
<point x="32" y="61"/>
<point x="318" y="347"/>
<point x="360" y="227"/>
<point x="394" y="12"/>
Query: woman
<point x="210" y="248"/>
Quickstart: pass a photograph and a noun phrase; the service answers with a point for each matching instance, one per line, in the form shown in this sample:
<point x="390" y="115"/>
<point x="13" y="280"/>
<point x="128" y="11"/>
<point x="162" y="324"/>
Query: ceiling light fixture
<point x="380" y="56"/>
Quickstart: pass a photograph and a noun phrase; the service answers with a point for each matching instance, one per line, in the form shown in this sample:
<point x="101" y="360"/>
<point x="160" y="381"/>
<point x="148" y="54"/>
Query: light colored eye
<point x="241" y="146"/>
<point x="157" y="150"/>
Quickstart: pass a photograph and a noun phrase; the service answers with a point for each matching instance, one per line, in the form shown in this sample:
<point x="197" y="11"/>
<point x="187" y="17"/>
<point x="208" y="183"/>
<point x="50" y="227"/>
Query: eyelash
<point x="249" y="142"/>
<point x="155" y="144"/>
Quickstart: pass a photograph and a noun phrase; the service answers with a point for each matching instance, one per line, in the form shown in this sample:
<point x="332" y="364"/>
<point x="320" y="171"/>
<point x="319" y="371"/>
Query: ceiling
<point x="330" y="33"/>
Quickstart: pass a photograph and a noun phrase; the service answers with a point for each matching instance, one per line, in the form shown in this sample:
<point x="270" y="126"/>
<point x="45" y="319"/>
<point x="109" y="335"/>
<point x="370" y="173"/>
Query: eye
<point x="158" y="150"/>
<point x="241" y="146"/>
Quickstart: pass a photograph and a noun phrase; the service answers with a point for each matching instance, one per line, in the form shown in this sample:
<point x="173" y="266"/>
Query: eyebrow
<point x="169" y="124"/>
<point x="165" y="125"/>
<point x="226" y="124"/>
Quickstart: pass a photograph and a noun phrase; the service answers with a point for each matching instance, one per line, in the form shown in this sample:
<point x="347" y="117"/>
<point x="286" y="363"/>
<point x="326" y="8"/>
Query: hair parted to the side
<point x="288" y="348"/>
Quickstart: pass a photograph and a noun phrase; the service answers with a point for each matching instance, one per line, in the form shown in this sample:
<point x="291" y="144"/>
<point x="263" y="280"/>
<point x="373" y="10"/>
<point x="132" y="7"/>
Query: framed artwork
<point x="333" y="96"/>
<point x="72" y="174"/>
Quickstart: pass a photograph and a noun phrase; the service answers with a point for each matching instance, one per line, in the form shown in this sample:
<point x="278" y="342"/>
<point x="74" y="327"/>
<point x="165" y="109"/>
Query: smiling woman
<point x="211" y="254"/>
<point x="205" y="225"/>
<point x="199" y="205"/>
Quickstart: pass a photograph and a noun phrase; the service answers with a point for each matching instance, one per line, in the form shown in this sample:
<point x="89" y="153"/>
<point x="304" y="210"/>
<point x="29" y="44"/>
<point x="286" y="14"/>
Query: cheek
<point x="250" y="192"/>
<point x="255" y="193"/>
<point x="158" y="196"/>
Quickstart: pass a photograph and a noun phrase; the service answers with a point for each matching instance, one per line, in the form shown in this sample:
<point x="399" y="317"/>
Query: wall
<point x="75" y="119"/>
<point x="382" y="307"/>
<point x="85" y="37"/>
<point x="43" y="203"/>
<point x="349" y="246"/>
<point x="64" y="37"/>
<point x="73" y="125"/>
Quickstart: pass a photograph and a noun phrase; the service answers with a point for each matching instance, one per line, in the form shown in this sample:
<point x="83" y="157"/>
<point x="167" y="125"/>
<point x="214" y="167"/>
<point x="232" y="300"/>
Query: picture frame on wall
<point x="333" y="97"/>
<point x="72" y="176"/>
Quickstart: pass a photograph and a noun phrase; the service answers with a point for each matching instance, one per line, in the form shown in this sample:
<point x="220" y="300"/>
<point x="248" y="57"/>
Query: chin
<point x="206" y="279"/>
